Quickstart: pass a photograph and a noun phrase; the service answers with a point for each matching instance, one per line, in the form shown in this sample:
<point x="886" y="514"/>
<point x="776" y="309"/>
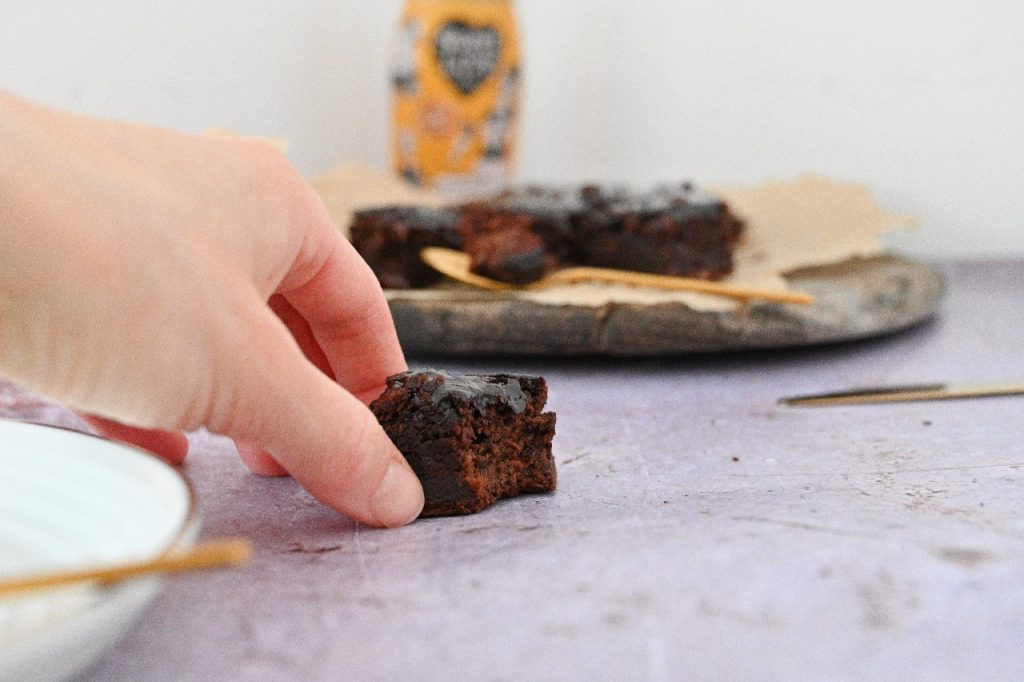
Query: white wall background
<point x="922" y="99"/>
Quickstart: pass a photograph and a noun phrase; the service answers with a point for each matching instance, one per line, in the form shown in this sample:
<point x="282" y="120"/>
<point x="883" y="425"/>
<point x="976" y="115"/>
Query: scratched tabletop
<point x="700" y="531"/>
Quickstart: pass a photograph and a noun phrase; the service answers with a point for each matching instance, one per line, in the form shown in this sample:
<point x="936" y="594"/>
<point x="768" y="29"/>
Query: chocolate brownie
<point x="521" y="235"/>
<point x="669" y="231"/>
<point x="526" y="233"/>
<point x="471" y="439"/>
<point x="506" y="246"/>
<point x="390" y="238"/>
<point x="514" y="254"/>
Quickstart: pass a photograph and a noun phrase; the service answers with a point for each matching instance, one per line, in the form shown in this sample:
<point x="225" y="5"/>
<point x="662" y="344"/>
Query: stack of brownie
<point x="528" y="232"/>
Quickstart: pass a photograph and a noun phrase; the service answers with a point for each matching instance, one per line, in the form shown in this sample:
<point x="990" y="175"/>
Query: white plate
<point x="71" y="500"/>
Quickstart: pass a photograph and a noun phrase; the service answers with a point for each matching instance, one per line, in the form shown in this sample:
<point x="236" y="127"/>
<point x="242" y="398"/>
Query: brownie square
<point x="507" y="246"/>
<point x="670" y="231"/>
<point x="471" y="439"/>
<point x="390" y="238"/>
<point x="521" y="235"/>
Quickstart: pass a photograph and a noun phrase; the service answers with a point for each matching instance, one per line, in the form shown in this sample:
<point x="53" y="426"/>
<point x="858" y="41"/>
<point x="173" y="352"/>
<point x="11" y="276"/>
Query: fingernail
<point x="399" y="498"/>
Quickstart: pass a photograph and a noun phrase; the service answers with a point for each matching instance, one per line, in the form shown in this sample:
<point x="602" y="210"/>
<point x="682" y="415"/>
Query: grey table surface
<point x="700" y="531"/>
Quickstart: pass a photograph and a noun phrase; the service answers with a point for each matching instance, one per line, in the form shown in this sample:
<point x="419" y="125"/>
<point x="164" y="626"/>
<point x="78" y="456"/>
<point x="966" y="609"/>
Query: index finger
<point x="338" y="295"/>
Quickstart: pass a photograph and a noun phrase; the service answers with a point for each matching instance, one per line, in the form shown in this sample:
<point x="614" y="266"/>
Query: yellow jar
<point x="456" y="82"/>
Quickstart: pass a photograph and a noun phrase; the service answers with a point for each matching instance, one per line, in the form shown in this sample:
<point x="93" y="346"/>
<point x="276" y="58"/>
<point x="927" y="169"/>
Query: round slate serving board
<point x="855" y="299"/>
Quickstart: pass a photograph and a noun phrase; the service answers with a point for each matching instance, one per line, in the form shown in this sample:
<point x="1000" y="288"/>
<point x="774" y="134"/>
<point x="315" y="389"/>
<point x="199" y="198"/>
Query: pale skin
<point x="158" y="282"/>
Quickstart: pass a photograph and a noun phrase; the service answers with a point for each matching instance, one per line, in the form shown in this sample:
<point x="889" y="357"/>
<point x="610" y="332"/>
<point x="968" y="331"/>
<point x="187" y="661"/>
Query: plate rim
<point x="891" y="292"/>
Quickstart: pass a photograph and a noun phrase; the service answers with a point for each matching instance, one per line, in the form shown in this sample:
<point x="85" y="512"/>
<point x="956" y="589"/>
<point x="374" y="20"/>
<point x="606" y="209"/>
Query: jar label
<point x="456" y="80"/>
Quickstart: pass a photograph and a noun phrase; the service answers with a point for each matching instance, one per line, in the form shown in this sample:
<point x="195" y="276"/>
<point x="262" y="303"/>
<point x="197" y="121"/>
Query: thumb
<point x="321" y="434"/>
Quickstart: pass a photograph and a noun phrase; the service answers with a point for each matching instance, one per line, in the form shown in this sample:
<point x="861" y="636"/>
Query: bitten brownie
<point x="390" y="238"/>
<point x="471" y="439"/>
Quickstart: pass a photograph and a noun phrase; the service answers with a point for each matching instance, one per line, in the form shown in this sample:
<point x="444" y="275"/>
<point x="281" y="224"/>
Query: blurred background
<point x="923" y="100"/>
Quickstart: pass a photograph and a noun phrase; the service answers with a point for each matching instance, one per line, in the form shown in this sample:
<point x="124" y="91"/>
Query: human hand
<point x="161" y="282"/>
